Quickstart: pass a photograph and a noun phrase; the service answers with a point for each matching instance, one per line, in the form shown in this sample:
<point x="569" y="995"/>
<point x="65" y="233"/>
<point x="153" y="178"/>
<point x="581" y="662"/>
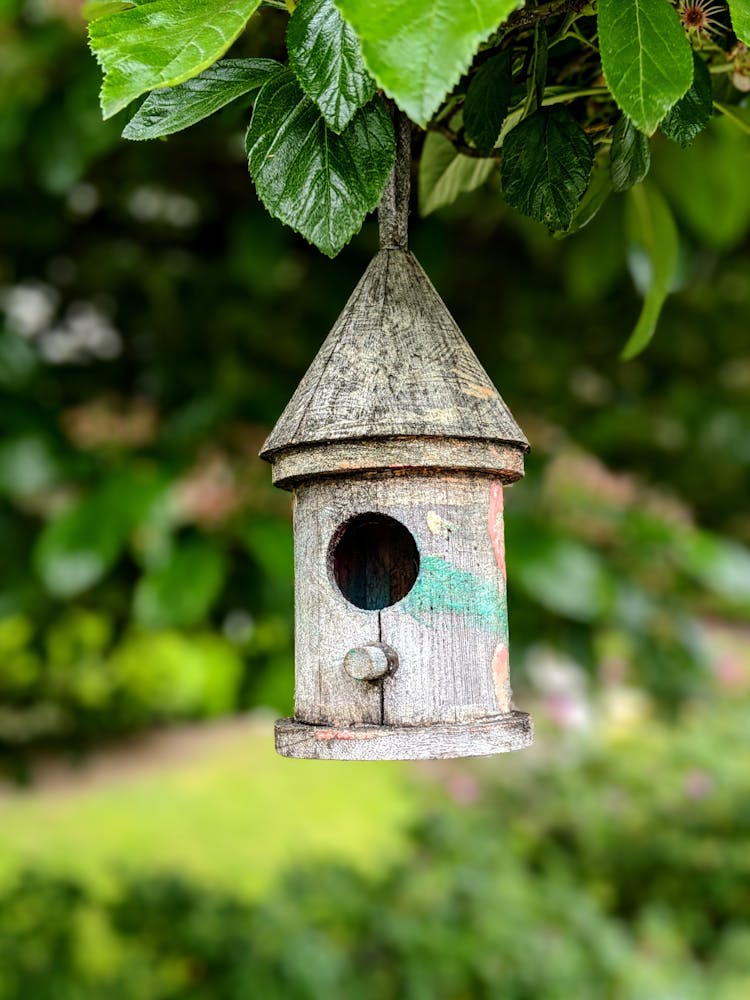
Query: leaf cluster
<point x="566" y="95"/>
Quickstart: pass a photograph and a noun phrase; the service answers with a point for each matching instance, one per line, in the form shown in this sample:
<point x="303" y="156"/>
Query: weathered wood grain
<point x="326" y="625"/>
<point x="393" y="212"/>
<point x="396" y="455"/>
<point x="449" y="632"/>
<point x="395" y="365"/>
<point x="447" y="629"/>
<point x="474" y="739"/>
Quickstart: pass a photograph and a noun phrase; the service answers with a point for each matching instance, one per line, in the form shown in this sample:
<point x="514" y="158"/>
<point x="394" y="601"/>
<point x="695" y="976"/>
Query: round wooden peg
<point x="370" y="662"/>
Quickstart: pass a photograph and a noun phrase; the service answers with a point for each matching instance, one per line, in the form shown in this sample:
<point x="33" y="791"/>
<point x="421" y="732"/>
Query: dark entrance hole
<point x="375" y="561"/>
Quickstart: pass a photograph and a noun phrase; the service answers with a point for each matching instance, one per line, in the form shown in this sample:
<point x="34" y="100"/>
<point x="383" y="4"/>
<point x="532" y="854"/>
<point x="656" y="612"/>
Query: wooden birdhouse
<point x="397" y="448"/>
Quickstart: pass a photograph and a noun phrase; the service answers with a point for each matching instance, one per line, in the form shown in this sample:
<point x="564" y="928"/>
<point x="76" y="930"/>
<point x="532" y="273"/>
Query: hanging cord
<point x="393" y="211"/>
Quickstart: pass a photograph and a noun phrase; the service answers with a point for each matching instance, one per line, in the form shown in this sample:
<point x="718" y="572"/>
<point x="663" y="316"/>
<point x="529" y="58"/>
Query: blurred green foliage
<point x="619" y="870"/>
<point x="153" y="331"/>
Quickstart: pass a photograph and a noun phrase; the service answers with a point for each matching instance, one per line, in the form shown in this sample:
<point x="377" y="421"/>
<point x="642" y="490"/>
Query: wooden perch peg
<point x="371" y="662"/>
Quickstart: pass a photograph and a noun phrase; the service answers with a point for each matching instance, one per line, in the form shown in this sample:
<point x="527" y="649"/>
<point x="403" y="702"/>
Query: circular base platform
<point x="480" y="738"/>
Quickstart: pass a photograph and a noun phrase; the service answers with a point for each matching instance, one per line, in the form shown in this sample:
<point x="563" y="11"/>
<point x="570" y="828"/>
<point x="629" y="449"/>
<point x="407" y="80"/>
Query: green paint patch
<point x="442" y="587"/>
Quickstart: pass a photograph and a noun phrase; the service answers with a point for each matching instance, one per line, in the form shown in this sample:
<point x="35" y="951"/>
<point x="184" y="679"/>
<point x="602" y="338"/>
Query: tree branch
<point x="528" y="17"/>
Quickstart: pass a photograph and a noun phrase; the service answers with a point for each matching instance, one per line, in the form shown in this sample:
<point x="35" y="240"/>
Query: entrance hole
<point x="375" y="561"/>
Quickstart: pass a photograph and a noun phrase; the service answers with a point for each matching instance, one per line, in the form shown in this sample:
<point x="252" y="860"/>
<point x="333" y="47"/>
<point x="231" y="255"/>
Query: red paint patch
<point x="345" y="734"/>
<point x="496" y="525"/>
<point x="501" y="677"/>
<point x="481" y="391"/>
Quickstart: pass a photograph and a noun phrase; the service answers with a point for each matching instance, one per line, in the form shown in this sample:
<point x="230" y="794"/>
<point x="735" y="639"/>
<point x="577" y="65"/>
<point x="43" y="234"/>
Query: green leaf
<point x="546" y="168"/>
<point x="566" y="578"/>
<point x="418" y="51"/>
<point x="599" y="189"/>
<point x="167" y="674"/>
<point x="181" y="592"/>
<point x="172" y="109"/>
<point x="444" y="173"/>
<point x="720" y="565"/>
<point x="319" y="183"/>
<point x="692" y="113"/>
<point x="29" y="465"/>
<point x="76" y="549"/>
<point x="595" y="258"/>
<point x="162" y="43"/>
<point x="739" y="117"/>
<point x="646" y="58"/>
<point x="718" y="161"/>
<point x="740" y="13"/>
<point x="270" y="542"/>
<point x="325" y="56"/>
<point x="653" y="235"/>
<point x="104" y="8"/>
<point x="630" y="155"/>
<point x="487" y="101"/>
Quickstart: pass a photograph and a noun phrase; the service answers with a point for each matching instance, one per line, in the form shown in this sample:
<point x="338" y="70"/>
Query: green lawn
<point x="231" y="812"/>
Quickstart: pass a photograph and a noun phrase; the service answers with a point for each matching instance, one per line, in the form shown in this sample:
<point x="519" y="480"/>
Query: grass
<point x="231" y="813"/>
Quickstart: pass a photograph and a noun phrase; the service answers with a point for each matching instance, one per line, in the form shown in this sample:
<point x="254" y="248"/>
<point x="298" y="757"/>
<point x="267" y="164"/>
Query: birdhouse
<point x="397" y="449"/>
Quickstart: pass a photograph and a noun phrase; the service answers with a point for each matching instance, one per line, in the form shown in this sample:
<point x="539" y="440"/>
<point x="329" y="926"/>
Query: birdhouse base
<point x="480" y="738"/>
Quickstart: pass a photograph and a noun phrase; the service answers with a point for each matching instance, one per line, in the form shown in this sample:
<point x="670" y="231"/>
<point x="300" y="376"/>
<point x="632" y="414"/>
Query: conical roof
<point x="394" y="365"/>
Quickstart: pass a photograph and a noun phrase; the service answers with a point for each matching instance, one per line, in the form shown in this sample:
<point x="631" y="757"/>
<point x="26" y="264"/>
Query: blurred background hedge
<point x="153" y="323"/>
